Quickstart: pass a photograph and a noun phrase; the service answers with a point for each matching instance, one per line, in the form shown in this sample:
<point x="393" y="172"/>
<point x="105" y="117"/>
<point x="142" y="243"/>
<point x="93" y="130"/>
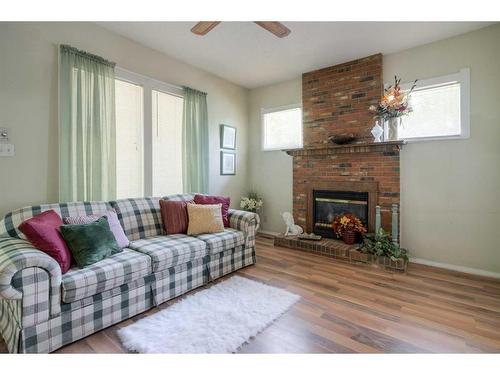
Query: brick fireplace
<point x="336" y="102"/>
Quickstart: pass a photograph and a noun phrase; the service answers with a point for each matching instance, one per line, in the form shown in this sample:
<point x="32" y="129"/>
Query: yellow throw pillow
<point x="204" y="218"/>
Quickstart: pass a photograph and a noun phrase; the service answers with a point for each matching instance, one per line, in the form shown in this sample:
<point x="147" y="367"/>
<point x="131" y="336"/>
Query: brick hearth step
<point x="338" y="250"/>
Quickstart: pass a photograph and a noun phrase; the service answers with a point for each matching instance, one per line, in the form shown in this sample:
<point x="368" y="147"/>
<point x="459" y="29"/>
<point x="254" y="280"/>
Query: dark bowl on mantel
<point x="342" y="139"/>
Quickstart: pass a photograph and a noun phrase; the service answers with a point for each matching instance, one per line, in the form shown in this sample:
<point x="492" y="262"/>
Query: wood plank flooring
<point x="359" y="309"/>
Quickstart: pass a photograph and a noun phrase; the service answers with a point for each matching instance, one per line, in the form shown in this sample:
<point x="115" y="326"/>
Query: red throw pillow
<point x="174" y="216"/>
<point x="214" y="199"/>
<point x="42" y="231"/>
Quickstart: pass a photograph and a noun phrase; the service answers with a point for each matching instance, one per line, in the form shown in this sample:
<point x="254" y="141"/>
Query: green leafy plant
<point x="380" y="244"/>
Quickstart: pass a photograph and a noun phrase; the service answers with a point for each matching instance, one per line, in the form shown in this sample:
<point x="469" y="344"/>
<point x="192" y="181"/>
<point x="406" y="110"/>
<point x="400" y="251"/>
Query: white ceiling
<point x="249" y="56"/>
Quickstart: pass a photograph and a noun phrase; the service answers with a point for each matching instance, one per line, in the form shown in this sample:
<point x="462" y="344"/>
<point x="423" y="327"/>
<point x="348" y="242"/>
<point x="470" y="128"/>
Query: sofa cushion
<point x="204" y="218"/>
<point x="140" y="217"/>
<point x="174" y="216"/>
<point x="42" y="231"/>
<point x="106" y="274"/>
<point x="215" y="199"/>
<point x="90" y="243"/>
<point x="114" y="224"/>
<point x="169" y="251"/>
<point x="217" y="242"/>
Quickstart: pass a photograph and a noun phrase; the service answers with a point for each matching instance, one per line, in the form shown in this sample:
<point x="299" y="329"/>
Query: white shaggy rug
<point x="215" y="320"/>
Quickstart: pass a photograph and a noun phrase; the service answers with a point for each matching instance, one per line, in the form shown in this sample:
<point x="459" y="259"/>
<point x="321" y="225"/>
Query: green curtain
<point x="195" y="141"/>
<point x="87" y="149"/>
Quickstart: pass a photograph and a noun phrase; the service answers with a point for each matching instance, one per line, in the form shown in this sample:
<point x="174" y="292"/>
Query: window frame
<point x="148" y="84"/>
<point x="265" y="111"/>
<point x="462" y="77"/>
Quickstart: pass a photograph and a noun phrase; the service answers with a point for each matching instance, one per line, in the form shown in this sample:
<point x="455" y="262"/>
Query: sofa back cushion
<point x="140" y="217"/>
<point x="9" y="225"/>
<point x="148" y="209"/>
<point x="179" y="197"/>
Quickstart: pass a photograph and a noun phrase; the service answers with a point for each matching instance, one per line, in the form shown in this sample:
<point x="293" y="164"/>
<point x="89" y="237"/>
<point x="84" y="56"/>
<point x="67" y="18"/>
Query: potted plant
<point x="347" y="227"/>
<point x="394" y="104"/>
<point x="252" y="202"/>
<point x="381" y="246"/>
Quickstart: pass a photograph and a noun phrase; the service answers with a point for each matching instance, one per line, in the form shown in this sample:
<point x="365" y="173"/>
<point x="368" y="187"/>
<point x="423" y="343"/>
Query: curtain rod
<point x="85" y="54"/>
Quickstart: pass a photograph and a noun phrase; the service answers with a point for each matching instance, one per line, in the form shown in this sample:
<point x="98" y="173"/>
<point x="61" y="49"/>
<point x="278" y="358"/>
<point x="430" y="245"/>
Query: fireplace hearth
<point x="328" y="204"/>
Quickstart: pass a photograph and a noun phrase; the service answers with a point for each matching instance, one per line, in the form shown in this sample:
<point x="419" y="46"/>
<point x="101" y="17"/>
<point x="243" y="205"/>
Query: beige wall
<point x="28" y="104"/>
<point x="270" y="172"/>
<point x="450" y="190"/>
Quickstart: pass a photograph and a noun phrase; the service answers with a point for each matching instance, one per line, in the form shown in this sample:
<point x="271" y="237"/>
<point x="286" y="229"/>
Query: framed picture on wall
<point x="227" y="137"/>
<point x="227" y="163"/>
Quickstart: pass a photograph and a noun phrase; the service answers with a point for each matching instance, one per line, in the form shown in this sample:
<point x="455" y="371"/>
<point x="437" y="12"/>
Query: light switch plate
<point x="6" y="149"/>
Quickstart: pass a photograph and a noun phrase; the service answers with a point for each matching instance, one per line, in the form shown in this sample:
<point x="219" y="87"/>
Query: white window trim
<point x="264" y="111"/>
<point x="462" y="77"/>
<point x="148" y="84"/>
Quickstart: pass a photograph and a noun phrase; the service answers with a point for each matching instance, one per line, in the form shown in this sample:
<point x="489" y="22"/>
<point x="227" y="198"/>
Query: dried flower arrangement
<point x="395" y="102"/>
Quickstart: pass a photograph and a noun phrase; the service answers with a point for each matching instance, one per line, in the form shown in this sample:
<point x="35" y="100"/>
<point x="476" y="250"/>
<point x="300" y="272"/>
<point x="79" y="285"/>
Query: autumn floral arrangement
<point x="347" y="227"/>
<point x="395" y="102"/>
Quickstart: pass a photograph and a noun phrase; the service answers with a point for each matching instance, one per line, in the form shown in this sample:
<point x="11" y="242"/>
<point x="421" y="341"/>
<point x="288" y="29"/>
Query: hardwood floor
<point x="346" y="309"/>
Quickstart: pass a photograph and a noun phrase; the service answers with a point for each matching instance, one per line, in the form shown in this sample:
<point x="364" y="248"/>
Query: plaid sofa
<point x="42" y="310"/>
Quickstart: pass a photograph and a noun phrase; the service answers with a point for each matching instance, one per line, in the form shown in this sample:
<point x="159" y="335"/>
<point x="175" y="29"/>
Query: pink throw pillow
<point x="174" y="216"/>
<point x="42" y="231"/>
<point x="214" y="199"/>
<point x="114" y="225"/>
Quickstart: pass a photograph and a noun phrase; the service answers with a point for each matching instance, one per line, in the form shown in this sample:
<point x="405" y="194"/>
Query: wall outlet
<point x="4" y="134"/>
<point x="6" y="149"/>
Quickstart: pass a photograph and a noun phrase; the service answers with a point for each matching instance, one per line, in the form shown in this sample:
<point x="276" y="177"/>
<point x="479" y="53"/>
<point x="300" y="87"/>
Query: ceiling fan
<point x="277" y="28"/>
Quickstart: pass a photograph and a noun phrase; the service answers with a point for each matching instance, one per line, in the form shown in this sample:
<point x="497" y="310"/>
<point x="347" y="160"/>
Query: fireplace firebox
<point x="328" y="203"/>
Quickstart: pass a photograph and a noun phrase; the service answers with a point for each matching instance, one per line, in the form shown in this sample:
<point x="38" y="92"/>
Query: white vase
<point x="377" y="132"/>
<point x="392" y="129"/>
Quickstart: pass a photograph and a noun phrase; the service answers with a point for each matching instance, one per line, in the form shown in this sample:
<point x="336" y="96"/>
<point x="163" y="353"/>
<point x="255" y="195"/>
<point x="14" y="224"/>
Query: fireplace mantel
<point x="331" y="149"/>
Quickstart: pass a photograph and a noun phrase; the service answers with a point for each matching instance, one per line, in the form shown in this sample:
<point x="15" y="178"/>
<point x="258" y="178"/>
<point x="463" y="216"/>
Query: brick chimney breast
<point x="336" y="102"/>
<point x="336" y="99"/>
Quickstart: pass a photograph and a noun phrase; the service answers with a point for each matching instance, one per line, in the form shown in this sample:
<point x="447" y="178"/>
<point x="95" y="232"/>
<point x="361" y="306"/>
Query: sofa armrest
<point x="29" y="275"/>
<point x="247" y="222"/>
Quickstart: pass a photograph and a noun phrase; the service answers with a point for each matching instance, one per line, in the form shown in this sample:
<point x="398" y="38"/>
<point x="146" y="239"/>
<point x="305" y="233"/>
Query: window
<point x="440" y="109"/>
<point x="167" y="143"/>
<point x="129" y="140"/>
<point x="148" y="136"/>
<point x="282" y="128"/>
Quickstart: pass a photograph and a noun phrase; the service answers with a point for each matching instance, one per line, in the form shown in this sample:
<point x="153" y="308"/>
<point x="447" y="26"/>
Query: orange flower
<point x="347" y="222"/>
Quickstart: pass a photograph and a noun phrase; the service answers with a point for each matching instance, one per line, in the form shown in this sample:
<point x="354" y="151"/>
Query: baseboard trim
<point x="453" y="267"/>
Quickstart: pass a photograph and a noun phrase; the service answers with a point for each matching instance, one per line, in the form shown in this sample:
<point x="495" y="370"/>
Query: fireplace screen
<point x="327" y="204"/>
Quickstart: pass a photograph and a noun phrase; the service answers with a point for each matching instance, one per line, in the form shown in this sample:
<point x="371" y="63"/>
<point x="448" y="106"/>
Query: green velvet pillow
<point x="90" y="243"/>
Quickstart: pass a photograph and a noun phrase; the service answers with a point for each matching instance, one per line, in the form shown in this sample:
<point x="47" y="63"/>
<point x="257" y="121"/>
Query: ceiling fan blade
<point x="202" y="28"/>
<point x="277" y="28"/>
